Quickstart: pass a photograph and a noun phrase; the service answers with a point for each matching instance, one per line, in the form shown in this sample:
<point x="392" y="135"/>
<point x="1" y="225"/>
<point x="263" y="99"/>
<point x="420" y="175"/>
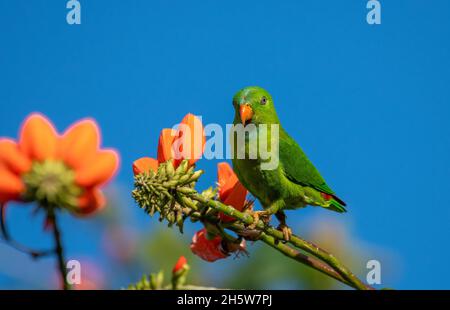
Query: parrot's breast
<point x="267" y="186"/>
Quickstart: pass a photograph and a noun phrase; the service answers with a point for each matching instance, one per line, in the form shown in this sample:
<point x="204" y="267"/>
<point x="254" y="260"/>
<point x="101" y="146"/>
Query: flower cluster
<point x="187" y="142"/>
<point x="178" y="151"/>
<point x="67" y="171"/>
<point x="179" y="272"/>
<point x="155" y="281"/>
<point x="158" y="180"/>
<point x="212" y="247"/>
<point x="56" y="171"/>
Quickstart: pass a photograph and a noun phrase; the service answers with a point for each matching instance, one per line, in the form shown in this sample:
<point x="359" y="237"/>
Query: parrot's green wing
<point x="299" y="169"/>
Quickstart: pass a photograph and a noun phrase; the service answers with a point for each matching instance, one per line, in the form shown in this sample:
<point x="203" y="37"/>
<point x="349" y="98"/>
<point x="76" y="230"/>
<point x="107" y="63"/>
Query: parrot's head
<point x="254" y="105"/>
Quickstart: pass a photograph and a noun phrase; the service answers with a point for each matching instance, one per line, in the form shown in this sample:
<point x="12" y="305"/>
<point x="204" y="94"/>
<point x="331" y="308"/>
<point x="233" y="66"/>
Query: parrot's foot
<point x="286" y="230"/>
<point x="259" y="215"/>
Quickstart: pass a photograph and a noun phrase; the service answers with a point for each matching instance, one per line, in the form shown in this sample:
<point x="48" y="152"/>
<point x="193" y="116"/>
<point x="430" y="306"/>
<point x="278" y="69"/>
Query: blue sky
<point x="369" y="104"/>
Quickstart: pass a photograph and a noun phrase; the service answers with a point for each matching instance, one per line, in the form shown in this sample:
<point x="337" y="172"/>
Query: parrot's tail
<point x="335" y="203"/>
<point x="337" y="206"/>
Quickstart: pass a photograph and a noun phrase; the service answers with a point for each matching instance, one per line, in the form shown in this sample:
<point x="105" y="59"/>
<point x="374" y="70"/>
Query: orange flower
<point x="187" y="142"/>
<point x="145" y="164"/>
<point x="165" y="144"/>
<point x="231" y="191"/>
<point x="214" y="249"/>
<point x="180" y="265"/>
<point x="59" y="170"/>
<point x="191" y="140"/>
<point x="208" y="250"/>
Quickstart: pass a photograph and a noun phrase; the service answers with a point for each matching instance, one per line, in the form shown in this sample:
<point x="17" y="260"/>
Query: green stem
<point x="304" y="259"/>
<point x="345" y="275"/>
<point x="279" y="246"/>
<point x="329" y="258"/>
<point x="59" y="253"/>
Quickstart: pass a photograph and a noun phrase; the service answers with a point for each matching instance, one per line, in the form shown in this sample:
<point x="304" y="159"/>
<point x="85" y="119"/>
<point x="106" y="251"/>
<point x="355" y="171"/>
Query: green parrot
<point x="295" y="182"/>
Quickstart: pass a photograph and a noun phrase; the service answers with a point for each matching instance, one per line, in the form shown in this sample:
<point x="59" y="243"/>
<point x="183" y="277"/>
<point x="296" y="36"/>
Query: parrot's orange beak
<point x="246" y="113"/>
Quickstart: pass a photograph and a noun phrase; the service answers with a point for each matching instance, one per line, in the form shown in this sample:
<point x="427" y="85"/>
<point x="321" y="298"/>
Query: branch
<point x="304" y="259"/>
<point x="272" y="237"/>
<point x="171" y="193"/>
<point x="59" y="251"/>
<point x="16" y="245"/>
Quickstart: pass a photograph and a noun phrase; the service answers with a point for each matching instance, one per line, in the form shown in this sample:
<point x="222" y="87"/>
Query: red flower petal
<point x="145" y="164"/>
<point x="11" y="186"/>
<point x="208" y="250"/>
<point x="38" y="138"/>
<point x="231" y="191"/>
<point x="236" y="199"/>
<point x="190" y="142"/>
<point x="91" y="201"/>
<point x="165" y="148"/>
<point x="226" y="180"/>
<point x="79" y="143"/>
<point x="182" y="261"/>
<point x="12" y="158"/>
<point x="224" y="172"/>
<point x="99" y="170"/>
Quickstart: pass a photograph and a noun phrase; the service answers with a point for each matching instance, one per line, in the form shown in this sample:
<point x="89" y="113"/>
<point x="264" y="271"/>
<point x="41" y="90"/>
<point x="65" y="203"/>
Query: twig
<point x="279" y="246"/>
<point x="304" y="259"/>
<point x="59" y="252"/>
<point x="171" y="192"/>
<point x="345" y="275"/>
<point x="16" y="245"/>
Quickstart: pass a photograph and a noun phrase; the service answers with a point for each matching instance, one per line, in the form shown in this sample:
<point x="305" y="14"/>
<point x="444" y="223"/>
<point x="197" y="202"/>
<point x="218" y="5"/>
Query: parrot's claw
<point x="257" y="215"/>
<point x="287" y="232"/>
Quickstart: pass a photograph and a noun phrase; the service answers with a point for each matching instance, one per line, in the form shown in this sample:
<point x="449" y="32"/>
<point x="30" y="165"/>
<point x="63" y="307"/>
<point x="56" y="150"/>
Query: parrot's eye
<point x="263" y="100"/>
